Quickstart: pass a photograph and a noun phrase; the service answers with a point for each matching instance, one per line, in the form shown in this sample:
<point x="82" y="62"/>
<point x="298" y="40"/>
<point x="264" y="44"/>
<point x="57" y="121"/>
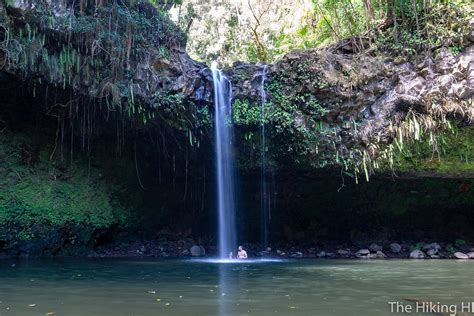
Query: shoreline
<point x="189" y="249"/>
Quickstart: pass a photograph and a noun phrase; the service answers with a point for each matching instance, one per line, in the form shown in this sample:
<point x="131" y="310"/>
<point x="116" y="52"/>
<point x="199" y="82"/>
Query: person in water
<point x="241" y="254"/>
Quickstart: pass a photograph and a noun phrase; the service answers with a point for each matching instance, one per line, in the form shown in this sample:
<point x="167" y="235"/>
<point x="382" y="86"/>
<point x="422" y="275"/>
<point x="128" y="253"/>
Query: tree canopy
<point x="264" y="30"/>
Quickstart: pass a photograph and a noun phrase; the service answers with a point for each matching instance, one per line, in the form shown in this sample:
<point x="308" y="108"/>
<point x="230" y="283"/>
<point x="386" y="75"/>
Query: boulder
<point x="297" y="254"/>
<point x="141" y="251"/>
<point x="375" y="248"/>
<point x="343" y="252"/>
<point x="380" y="255"/>
<point x="395" y="248"/>
<point x="363" y="253"/>
<point x="432" y="252"/>
<point x="432" y="246"/>
<point x="417" y="254"/>
<point x="197" y="251"/>
<point x="460" y="255"/>
<point x="470" y="255"/>
<point x="321" y="254"/>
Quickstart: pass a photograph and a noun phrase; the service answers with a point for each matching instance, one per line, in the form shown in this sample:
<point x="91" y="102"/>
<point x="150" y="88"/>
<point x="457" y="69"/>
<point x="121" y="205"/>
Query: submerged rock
<point x="417" y="254"/>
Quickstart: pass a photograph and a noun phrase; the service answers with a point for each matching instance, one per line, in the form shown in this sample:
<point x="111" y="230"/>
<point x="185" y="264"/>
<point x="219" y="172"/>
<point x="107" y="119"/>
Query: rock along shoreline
<point x="459" y="249"/>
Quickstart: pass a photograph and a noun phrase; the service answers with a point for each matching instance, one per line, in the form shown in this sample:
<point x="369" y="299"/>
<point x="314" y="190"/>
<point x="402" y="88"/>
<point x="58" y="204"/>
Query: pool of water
<point x="186" y="287"/>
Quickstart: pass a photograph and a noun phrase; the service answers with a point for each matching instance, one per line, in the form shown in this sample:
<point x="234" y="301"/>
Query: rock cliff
<point x="352" y="110"/>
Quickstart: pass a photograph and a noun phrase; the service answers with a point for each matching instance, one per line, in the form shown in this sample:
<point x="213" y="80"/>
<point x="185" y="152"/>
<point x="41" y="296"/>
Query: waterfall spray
<point x="224" y="162"/>
<point x="264" y="196"/>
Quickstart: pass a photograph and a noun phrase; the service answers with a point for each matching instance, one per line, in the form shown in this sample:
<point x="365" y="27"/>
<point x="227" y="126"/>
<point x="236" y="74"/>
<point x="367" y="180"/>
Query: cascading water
<point x="224" y="163"/>
<point x="264" y="193"/>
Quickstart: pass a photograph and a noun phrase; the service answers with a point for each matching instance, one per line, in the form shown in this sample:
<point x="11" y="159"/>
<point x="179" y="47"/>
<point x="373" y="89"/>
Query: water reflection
<point x="225" y="289"/>
<point x="236" y="278"/>
<point x="235" y="282"/>
<point x="261" y="288"/>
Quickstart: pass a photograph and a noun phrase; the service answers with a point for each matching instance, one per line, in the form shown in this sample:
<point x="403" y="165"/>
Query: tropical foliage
<point x="264" y="30"/>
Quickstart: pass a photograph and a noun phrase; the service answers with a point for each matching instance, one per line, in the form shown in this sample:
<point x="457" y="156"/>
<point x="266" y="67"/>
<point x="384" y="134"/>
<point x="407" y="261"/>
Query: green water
<point x="179" y="287"/>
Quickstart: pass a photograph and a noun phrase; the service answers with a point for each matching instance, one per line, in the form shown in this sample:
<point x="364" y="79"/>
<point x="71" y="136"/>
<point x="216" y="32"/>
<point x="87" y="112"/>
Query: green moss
<point x="36" y="191"/>
<point x="455" y="154"/>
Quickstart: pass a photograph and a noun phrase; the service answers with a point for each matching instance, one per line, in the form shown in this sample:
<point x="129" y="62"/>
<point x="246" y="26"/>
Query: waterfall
<point x="264" y="196"/>
<point x="224" y="163"/>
